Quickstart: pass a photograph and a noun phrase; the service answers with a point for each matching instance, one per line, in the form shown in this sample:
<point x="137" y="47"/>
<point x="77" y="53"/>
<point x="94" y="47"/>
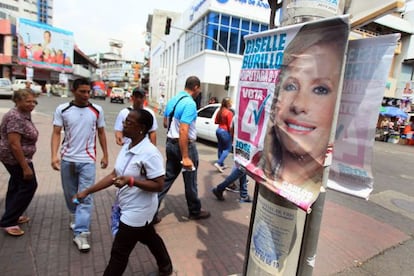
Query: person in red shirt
<point x="224" y="138"/>
<point x="409" y="129"/>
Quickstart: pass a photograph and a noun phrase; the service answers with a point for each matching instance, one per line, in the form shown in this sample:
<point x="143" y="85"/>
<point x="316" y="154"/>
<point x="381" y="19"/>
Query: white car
<point x="117" y="95"/>
<point x="6" y="88"/>
<point x="21" y="84"/>
<point x="206" y="128"/>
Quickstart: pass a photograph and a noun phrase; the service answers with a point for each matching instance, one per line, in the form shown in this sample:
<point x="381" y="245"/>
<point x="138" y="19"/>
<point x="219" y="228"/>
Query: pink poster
<point x="367" y="68"/>
<point x="288" y="91"/>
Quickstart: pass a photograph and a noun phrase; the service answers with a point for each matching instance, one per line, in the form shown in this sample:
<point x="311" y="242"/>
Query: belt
<point x="175" y="140"/>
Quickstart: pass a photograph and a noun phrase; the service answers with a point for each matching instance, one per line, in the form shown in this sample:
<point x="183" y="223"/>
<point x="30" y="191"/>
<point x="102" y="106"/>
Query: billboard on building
<point x="43" y="46"/>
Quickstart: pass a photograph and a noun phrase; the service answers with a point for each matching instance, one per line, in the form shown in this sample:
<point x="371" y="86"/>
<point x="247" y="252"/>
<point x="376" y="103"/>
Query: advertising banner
<point x="288" y="91"/>
<point x="367" y="67"/>
<point x="43" y="46"/>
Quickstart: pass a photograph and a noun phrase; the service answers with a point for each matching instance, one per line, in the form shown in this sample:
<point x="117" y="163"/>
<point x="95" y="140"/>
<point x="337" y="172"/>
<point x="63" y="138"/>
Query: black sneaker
<point x="219" y="195"/>
<point x="202" y="215"/>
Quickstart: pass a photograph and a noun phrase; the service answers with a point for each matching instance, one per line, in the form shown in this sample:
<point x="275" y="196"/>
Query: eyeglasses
<point x="128" y="122"/>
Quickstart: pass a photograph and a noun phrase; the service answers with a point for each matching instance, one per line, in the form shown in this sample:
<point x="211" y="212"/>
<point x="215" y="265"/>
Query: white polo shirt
<point x="143" y="161"/>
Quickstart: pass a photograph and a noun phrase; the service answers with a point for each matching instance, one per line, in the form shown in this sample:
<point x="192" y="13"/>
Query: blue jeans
<point x="224" y="145"/>
<point x="20" y="193"/>
<point x="173" y="169"/>
<point x="77" y="177"/>
<point x="236" y="173"/>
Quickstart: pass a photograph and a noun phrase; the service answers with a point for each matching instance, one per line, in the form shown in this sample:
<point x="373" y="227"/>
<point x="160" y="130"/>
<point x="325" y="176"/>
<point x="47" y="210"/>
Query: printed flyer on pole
<point x="288" y="91"/>
<point x="367" y="66"/>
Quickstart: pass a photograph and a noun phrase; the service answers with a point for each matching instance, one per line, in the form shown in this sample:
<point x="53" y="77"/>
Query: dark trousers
<point x="173" y="169"/>
<point x="19" y="194"/>
<point x="125" y="240"/>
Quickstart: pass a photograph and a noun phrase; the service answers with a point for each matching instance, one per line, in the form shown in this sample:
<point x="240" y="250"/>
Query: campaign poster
<point x="288" y="91"/>
<point x="367" y="67"/>
<point x="44" y="46"/>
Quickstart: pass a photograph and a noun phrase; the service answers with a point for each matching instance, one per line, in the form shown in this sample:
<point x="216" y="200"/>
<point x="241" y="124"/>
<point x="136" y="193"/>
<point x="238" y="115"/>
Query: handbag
<point x="115" y="217"/>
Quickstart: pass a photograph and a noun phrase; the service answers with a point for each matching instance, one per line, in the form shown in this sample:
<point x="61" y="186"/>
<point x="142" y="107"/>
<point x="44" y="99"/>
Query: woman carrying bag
<point x="139" y="175"/>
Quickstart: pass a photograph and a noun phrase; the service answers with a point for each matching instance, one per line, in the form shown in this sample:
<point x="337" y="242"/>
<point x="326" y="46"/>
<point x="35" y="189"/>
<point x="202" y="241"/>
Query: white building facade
<point x="39" y="10"/>
<point x="211" y="48"/>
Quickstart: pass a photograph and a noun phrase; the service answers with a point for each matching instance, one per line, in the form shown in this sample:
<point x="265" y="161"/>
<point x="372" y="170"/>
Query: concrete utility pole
<point x="304" y="237"/>
<point x="299" y="232"/>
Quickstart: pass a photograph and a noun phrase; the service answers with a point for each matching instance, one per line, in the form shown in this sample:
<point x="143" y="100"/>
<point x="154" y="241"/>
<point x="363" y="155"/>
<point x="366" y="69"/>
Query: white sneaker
<point x="72" y="222"/>
<point x="219" y="168"/>
<point x="81" y="241"/>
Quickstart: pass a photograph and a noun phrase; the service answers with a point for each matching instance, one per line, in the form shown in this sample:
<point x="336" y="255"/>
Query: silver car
<point x="5" y="88"/>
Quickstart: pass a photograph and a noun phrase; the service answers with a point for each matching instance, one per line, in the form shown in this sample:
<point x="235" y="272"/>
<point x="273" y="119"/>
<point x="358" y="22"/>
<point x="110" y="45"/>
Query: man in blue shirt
<point x="179" y="117"/>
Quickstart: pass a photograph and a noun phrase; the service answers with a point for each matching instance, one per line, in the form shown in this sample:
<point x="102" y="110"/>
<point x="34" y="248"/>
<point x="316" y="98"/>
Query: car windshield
<point x="207" y="112"/>
<point x="4" y="82"/>
<point x="118" y="91"/>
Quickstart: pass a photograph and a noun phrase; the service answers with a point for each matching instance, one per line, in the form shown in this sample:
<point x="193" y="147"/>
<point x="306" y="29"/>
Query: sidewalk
<point x="215" y="246"/>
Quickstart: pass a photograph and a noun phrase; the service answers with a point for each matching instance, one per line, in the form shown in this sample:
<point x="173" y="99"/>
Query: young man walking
<point x="81" y="121"/>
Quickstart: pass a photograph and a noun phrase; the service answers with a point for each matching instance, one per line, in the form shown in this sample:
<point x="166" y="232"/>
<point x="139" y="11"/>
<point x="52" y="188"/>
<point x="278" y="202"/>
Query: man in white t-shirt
<point x="138" y="98"/>
<point x="82" y="121"/>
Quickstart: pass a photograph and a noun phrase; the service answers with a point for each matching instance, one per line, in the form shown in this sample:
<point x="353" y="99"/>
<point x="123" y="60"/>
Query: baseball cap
<point x="138" y="92"/>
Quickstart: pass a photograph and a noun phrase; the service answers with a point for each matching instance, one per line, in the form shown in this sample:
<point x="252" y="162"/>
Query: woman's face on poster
<point x="306" y="101"/>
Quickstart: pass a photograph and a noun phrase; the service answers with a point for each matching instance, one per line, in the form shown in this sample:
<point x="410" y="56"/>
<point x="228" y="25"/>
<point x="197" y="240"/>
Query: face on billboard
<point x="43" y="46"/>
<point x="306" y="102"/>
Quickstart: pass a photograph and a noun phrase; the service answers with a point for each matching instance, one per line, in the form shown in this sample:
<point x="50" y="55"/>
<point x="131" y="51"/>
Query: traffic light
<point x="167" y="26"/>
<point x="227" y="83"/>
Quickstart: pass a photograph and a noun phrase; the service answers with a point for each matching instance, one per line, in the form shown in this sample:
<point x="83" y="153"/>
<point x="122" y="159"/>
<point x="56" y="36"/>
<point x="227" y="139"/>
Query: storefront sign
<point x="201" y="5"/>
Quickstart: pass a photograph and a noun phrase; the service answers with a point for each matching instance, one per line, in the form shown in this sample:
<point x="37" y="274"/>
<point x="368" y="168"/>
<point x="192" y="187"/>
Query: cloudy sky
<point x="94" y="22"/>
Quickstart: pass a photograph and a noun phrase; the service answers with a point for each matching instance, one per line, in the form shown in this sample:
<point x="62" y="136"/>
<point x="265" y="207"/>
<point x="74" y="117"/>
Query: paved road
<point x="357" y="237"/>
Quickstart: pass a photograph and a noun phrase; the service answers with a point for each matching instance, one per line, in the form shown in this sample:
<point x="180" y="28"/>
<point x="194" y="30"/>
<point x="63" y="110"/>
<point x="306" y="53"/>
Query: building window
<point x="8" y="7"/>
<point x="228" y="30"/>
<point x="1" y="44"/>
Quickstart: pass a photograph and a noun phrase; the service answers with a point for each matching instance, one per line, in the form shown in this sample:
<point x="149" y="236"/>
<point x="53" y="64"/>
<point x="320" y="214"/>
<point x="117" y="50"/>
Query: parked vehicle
<point x="6" y="88"/>
<point x="21" y="84"/>
<point x="117" y="95"/>
<point x="205" y="126"/>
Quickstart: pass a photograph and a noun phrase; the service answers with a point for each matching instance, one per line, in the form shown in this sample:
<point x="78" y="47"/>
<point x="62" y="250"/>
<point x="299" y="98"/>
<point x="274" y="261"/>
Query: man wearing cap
<point x="138" y="98"/>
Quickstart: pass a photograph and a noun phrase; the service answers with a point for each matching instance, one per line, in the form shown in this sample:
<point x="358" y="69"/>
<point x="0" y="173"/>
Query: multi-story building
<point x="115" y="70"/>
<point x="213" y="46"/>
<point x="39" y="10"/>
<point x="30" y="47"/>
